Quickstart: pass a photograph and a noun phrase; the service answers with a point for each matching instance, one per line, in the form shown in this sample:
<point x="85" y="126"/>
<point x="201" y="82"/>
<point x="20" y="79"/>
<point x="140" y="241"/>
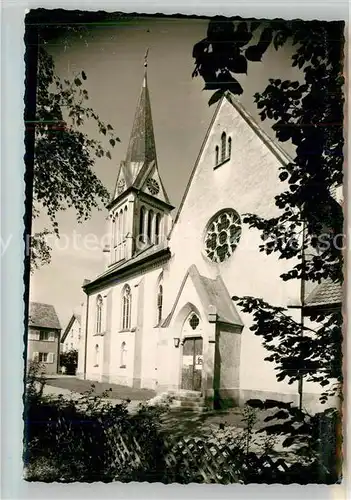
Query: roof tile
<point x="43" y="315"/>
<point x="326" y="293"/>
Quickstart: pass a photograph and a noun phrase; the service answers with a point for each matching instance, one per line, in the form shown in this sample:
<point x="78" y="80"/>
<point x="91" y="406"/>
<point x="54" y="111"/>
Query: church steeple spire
<point x="140" y="209"/>
<point x="141" y="147"/>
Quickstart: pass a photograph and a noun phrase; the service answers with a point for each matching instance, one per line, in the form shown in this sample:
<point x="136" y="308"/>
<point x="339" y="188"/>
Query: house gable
<point x="272" y="145"/>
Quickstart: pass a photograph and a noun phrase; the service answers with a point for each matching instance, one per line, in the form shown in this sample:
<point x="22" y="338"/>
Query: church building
<point x="161" y="314"/>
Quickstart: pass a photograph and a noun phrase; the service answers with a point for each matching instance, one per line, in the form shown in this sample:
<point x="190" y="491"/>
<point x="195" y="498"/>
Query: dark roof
<point x="141" y="157"/>
<point x="326" y="293"/>
<point x="141" y="146"/>
<point x="143" y="254"/>
<point x="213" y="295"/>
<point x="69" y="326"/>
<point x="152" y="255"/>
<point x="43" y="315"/>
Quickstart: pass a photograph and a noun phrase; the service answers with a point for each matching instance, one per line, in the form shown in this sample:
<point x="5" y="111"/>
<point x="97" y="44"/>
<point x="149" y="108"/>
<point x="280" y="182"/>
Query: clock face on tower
<point x="120" y="186"/>
<point x="153" y="186"/>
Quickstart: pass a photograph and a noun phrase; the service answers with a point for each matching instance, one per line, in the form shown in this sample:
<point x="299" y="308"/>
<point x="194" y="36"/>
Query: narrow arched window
<point x="157" y="229"/>
<point x="229" y="146"/>
<point x="120" y="226"/>
<point x="223" y="146"/>
<point x="216" y="155"/>
<point x="99" y="304"/>
<point x="150" y="218"/>
<point x="96" y="355"/>
<point x="125" y="225"/>
<point x="126" y="308"/>
<point x="115" y="239"/>
<point x="159" y="304"/>
<point x="141" y="224"/>
<point x="124" y="232"/>
<point x="123" y="354"/>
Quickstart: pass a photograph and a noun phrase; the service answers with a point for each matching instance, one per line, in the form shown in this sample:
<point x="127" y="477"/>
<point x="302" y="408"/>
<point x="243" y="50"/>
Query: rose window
<point x="222" y="235"/>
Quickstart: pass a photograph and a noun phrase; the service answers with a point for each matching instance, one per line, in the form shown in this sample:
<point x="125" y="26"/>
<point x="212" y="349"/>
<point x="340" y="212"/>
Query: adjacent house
<point x="44" y="332"/>
<point x="70" y="338"/>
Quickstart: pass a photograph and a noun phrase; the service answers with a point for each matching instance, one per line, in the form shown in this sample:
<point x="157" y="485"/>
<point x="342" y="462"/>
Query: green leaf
<point x="77" y="82"/>
<point x="108" y="154"/>
<point x="112" y="142"/>
<point x="84" y="76"/>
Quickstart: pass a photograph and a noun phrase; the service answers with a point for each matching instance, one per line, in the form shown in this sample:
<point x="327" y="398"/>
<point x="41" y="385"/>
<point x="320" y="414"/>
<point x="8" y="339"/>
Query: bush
<point x="79" y="439"/>
<point x="90" y="439"/>
<point x="69" y="360"/>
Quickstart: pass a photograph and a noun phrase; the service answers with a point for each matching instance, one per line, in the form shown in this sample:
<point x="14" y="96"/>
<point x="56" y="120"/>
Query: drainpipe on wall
<point x="212" y="318"/>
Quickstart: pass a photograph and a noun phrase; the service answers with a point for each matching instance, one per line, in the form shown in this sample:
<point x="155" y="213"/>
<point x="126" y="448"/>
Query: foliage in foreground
<point x="72" y="440"/>
<point x="90" y="439"/>
<point x="65" y="155"/>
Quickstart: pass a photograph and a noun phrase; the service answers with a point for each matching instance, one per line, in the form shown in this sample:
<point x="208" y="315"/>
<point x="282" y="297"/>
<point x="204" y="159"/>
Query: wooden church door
<point x="192" y="364"/>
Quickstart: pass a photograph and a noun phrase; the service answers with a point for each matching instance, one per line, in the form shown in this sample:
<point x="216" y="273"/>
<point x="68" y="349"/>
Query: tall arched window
<point x="126" y="308"/>
<point x="159" y="304"/>
<point x="216" y="155"/>
<point x="115" y="240"/>
<point x="157" y="228"/>
<point x="99" y="304"/>
<point x="124" y="232"/>
<point x="229" y="146"/>
<point x="120" y="226"/>
<point x="125" y="222"/>
<point x="150" y="218"/>
<point x="96" y="355"/>
<point x="223" y="146"/>
<point x="141" y="224"/>
<point x="123" y="354"/>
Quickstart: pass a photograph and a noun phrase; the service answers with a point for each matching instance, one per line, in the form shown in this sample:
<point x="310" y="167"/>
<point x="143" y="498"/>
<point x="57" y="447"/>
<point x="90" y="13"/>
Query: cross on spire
<point x="145" y="57"/>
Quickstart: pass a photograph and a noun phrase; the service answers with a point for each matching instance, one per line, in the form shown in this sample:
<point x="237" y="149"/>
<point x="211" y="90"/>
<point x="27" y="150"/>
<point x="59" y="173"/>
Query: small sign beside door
<point x="199" y="360"/>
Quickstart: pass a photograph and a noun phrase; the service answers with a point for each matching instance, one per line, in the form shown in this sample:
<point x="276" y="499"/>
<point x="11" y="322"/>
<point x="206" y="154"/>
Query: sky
<point x="113" y="60"/>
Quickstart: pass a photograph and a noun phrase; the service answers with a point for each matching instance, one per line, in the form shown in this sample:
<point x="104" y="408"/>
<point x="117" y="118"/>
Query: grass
<point x="116" y="392"/>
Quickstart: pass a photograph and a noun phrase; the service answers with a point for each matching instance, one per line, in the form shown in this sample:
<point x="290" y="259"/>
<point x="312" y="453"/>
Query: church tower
<point x="140" y="209"/>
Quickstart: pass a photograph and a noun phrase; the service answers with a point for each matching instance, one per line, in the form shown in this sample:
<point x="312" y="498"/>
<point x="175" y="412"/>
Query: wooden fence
<point x="192" y="459"/>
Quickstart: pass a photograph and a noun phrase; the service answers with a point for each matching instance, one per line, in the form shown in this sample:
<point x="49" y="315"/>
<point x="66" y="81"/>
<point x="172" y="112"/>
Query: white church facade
<point x="161" y="314"/>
